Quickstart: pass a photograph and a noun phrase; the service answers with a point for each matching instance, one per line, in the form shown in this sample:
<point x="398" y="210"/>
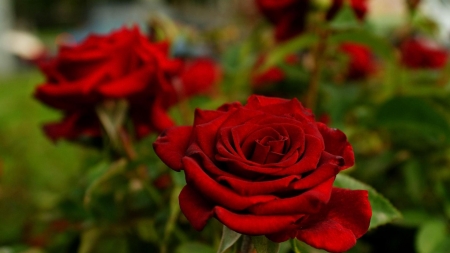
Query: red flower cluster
<point x="289" y="16"/>
<point x="417" y="54"/>
<point x="121" y="65"/>
<point x="267" y="168"/>
<point x="361" y="62"/>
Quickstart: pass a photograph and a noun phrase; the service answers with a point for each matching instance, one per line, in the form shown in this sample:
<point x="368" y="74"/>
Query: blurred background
<point x="38" y="178"/>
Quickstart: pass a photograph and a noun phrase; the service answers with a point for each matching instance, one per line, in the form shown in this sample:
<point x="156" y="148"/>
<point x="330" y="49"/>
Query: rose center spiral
<point x="269" y="149"/>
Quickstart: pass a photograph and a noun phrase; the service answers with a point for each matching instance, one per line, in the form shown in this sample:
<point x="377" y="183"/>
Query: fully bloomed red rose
<point x="267" y="168"/>
<point x="418" y="53"/>
<point x="122" y="65"/>
<point x="361" y="62"/>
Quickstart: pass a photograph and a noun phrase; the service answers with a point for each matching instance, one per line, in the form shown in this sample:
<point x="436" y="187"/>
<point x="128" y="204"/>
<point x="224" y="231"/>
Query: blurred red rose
<point x="267" y="168"/>
<point x="288" y="16"/>
<point x="360" y="7"/>
<point x="272" y="75"/>
<point x="122" y="65"/>
<point x="361" y="61"/>
<point x="419" y="53"/>
<point x="197" y="77"/>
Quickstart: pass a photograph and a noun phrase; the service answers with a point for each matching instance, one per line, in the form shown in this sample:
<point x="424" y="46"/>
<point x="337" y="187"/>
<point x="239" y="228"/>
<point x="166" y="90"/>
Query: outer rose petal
<point x="171" y="146"/>
<point x="256" y="102"/>
<point x="199" y="76"/>
<point x="255" y="224"/>
<point x="337" y="226"/>
<point x="219" y="194"/>
<point x="73" y="126"/>
<point x="196" y="209"/>
<point x="336" y="144"/>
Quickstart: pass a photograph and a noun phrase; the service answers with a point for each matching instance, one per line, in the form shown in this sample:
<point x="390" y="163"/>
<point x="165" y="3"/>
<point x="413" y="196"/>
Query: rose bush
<point x="267" y="168"/>
<point x="123" y="65"/>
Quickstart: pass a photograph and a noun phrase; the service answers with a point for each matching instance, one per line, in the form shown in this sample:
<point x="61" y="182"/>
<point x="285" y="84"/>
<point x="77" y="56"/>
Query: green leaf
<point x="430" y="236"/>
<point x="415" y="179"/>
<point x="264" y="245"/>
<point x="382" y="210"/>
<point x="194" y="247"/>
<point x="279" y="53"/>
<point x="345" y="19"/>
<point x="101" y="174"/>
<point x="408" y="117"/>
<point x="229" y="237"/>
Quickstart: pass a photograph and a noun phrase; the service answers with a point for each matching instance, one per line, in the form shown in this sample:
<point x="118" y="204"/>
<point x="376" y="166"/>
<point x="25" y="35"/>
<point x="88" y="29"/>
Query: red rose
<point x="361" y="62"/>
<point x="121" y="65"/>
<point x="418" y="53"/>
<point x="267" y="168"/>
<point x="288" y="16"/>
<point x="273" y="74"/>
<point x="360" y="7"/>
<point x="197" y="77"/>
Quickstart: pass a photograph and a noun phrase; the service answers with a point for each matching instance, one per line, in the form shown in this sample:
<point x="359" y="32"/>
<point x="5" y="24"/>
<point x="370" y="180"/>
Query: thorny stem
<point x="319" y="53"/>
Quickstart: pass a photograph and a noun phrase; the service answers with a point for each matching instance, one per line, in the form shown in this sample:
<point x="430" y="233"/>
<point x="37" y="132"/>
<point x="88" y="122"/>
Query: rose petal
<point x="254" y="224"/>
<point x="307" y="202"/>
<point x="251" y="188"/>
<point x="196" y="209"/>
<point x="336" y="143"/>
<point x="74" y="125"/>
<point x="219" y="194"/>
<point x="206" y="116"/>
<point x="171" y="145"/>
<point x="131" y="84"/>
<point x="255" y="102"/>
<point x="336" y="227"/>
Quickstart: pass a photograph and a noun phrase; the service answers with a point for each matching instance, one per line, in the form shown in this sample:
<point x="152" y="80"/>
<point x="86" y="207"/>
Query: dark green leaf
<point x="382" y="210"/>
<point x="345" y="19"/>
<point x="229" y="237"/>
<point x="264" y="245"/>
<point x="413" y="122"/>
<point x="194" y="247"/>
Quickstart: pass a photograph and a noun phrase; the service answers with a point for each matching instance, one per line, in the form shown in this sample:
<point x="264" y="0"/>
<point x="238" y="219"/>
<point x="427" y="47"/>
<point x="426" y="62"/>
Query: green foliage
<point x="264" y="245"/>
<point x="229" y="237"/>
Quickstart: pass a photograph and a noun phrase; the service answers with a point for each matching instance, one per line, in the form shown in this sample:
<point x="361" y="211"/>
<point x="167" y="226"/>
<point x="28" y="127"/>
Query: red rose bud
<point x="272" y="75"/>
<point x="360" y="7"/>
<point x="267" y="168"/>
<point x="361" y="61"/>
<point x="422" y="54"/>
<point x="288" y="16"/>
<point x="197" y="77"/>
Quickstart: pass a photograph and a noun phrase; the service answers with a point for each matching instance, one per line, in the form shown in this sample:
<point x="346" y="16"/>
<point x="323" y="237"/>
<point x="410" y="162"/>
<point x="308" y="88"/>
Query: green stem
<point x="319" y="53"/>
<point x="246" y="246"/>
